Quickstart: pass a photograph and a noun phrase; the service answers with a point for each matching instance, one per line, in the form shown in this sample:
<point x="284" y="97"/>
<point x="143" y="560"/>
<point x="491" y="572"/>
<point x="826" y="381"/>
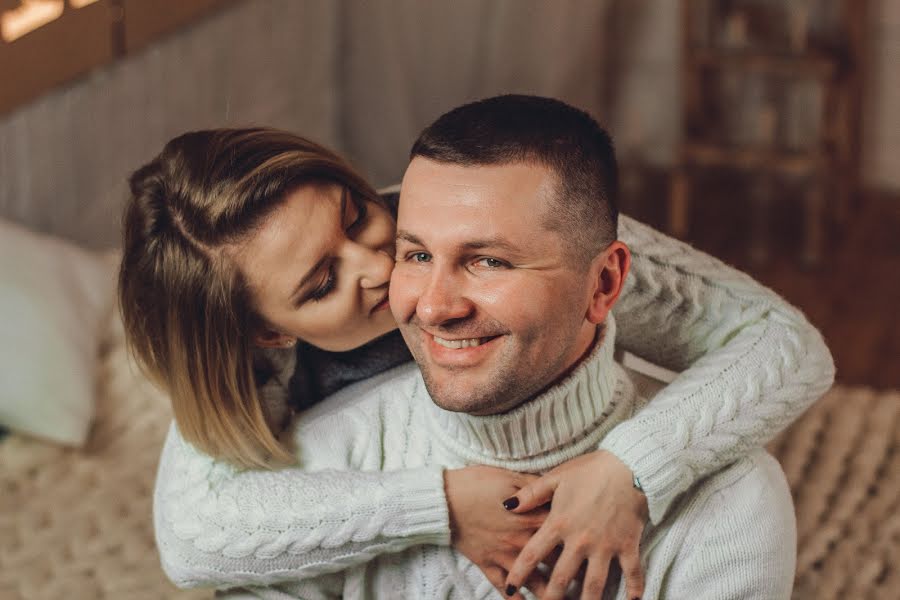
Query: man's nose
<point x="443" y="299"/>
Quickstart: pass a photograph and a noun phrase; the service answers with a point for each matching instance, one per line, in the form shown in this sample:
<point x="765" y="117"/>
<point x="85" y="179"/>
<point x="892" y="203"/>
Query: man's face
<point x="491" y="305"/>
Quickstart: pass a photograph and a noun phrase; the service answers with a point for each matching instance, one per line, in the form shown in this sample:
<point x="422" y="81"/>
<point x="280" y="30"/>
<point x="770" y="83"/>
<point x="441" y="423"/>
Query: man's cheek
<point x="402" y="295"/>
<point x="509" y="304"/>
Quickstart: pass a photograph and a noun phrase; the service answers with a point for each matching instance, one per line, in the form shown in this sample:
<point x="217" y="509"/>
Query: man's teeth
<point x="457" y="344"/>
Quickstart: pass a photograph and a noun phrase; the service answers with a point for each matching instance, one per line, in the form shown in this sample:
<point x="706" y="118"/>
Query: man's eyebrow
<point x="477" y="244"/>
<point x="408" y="237"/>
<point x="492" y="242"/>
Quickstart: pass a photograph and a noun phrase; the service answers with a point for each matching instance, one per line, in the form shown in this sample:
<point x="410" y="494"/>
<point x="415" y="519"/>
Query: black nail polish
<point x="511" y="589"/>
<point x="510" y="503"/>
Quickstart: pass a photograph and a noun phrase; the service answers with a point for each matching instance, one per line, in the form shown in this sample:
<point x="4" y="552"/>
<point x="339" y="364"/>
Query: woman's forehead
<point x="293" y="238"/>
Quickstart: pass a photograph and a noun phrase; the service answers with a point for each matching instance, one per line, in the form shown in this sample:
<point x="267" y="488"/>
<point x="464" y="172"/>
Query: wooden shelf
<point x="754" y="61"/>
<point x="743" y="157"/>
<point x="742" y="86"/>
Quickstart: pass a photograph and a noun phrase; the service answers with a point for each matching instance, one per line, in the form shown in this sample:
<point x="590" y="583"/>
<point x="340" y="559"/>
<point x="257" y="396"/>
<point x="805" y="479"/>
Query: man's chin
<point x="455" y="396"/>
<point x="462" y="405"/>
<point x="472" y="398"/>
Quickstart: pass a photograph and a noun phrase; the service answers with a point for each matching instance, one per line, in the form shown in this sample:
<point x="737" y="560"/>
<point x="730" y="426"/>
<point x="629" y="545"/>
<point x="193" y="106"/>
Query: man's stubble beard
<point x="503" y="392"/>
<point x="501" y="395"/>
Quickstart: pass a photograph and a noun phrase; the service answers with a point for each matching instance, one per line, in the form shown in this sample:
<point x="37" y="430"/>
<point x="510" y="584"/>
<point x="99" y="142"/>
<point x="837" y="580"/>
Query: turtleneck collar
<point x="565" y="421"/>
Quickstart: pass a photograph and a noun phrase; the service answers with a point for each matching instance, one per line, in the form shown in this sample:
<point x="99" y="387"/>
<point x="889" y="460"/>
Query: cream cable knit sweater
<point x="733" y="536"/>
<point x="751" y="362"/>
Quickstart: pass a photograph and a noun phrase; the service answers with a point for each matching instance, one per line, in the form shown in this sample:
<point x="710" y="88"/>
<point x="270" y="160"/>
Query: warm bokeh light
<point x="32" y="14"/>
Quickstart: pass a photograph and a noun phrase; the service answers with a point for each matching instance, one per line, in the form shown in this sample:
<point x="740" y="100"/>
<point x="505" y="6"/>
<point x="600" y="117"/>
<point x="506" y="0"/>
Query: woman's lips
<point x="384" y="304"/>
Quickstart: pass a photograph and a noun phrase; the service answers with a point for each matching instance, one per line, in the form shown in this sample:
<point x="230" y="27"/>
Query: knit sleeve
<point x="219" y="526"/>
<point x="750" y="363"/>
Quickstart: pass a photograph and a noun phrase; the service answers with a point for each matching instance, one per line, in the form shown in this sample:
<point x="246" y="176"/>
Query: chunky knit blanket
<point x="77" y="523"/>
<point x="842" y="460"/>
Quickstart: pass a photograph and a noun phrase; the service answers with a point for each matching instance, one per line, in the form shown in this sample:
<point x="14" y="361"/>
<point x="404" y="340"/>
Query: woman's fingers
<point x="481" y="529"/>
<point x="550" y="559"/>
<point x="564" y="572"/>
<point x="537" y="583"/>
<point x="632" y="573"/>
<point x="497" y="577"/>
<point x="540" y="545"/>
<point x="595" y="578"/>
<point x="534" y="494"/>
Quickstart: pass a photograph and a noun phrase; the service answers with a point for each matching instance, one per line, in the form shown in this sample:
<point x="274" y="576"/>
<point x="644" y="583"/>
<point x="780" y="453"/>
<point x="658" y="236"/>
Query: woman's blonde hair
<point x="188" y="312"/>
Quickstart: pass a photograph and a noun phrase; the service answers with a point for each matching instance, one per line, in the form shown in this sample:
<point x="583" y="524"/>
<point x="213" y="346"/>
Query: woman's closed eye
<point x="325" y="287"/>
<point x="355" y="216"/>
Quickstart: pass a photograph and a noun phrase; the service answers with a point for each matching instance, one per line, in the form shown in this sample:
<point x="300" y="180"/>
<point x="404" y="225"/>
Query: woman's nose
<point x="374" y="266"/>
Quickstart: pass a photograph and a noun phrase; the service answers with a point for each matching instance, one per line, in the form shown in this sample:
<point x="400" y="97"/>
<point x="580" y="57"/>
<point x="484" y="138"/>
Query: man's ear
<point x="269" y="338"/>
<point x="608" y="272"/>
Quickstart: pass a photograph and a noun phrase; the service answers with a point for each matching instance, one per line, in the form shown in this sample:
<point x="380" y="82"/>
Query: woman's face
<point x="319" y="268"/>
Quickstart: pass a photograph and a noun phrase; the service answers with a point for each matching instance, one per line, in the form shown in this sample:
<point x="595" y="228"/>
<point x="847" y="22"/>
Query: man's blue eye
<point x="492" y="263"/>
<point x="421" y="257"/>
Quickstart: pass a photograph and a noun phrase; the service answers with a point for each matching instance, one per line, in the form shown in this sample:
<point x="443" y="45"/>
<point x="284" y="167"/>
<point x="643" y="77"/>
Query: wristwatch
<point x="636" y="483"/>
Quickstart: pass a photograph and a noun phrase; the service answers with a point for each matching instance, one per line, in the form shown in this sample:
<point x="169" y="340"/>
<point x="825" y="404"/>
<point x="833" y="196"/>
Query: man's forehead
<point x="484" y="199"/>
<point x="457" y="178"/>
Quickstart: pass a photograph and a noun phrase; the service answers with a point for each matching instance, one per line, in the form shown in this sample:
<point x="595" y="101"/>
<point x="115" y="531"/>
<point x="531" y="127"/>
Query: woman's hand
<point x="486" y="533"/>
<point x="597" y="515"/>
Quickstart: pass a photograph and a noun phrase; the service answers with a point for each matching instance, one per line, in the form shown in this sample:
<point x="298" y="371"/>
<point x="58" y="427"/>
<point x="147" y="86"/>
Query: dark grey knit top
<point x="319" y="373"/>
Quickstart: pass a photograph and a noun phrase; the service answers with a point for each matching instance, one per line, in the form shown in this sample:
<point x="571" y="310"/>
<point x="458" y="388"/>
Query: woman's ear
<point x="608" y="272"/>
<point x="269" y="338"/>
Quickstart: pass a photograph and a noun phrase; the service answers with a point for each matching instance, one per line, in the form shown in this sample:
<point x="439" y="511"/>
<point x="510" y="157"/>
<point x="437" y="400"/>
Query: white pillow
<point x="54" y="297"/>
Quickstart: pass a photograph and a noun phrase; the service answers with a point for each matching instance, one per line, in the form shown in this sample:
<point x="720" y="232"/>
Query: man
<point x="502" y="289"/>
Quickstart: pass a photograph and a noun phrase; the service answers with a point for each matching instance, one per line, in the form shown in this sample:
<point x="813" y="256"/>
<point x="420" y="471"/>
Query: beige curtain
<point x="405" y="62"/>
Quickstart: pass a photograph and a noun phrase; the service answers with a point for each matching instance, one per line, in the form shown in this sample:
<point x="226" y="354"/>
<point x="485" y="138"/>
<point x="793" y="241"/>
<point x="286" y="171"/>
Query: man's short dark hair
<point x="515" y="128"/>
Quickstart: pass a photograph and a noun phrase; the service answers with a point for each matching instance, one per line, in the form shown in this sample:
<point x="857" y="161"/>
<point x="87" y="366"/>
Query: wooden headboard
<point x="45" y="43"/>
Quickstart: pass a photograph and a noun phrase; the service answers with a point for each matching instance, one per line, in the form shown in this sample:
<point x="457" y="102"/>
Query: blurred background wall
<point x="365" y="77"/>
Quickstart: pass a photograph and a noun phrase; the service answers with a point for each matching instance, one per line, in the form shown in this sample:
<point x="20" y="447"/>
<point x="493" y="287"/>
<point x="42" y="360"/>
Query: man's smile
<point x="458" y="352"/>
<point x="464" y="343"/>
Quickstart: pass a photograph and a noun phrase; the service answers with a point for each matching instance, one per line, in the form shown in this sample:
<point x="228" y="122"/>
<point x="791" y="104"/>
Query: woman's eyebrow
<point x="344" y="194"/>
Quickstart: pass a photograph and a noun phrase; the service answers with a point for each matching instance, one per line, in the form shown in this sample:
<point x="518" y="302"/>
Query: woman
<point x="209" y="277"/>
